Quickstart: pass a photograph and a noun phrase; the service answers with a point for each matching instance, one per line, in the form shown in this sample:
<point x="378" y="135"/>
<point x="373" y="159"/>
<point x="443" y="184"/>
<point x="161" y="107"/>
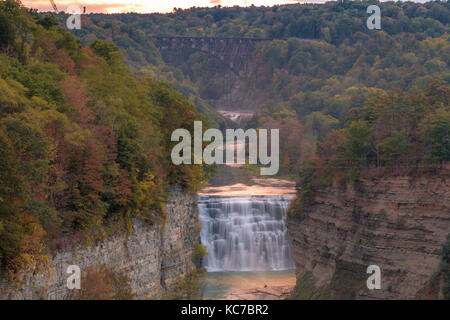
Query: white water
<point x="245" y="233"/>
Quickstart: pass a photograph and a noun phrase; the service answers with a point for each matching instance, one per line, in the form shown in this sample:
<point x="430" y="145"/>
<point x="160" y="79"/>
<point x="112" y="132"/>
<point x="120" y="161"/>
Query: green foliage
<point x="305" y="189"/>
<point x="188" y="287"/>
<point x="356" y="144"/>
<point x="199" y="253"/>
<point x="105" y="49"/>
<point x="345" y="65"/>
<point x="6" y="31"/>
<point x="396" y="130"/>
<point x="48" y="21"/>
<point x="394" y="146"/>
<point x="139" y="52"/>
<point x="333" y="21"/>
<point x="84" y="142"/>
<point x="437" y="135"/>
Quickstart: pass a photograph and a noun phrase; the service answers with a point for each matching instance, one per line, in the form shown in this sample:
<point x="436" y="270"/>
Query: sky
<point x="143" y="6"/>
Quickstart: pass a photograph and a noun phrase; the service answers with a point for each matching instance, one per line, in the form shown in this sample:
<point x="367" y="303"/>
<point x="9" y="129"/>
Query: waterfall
<point x="245" y="233"/>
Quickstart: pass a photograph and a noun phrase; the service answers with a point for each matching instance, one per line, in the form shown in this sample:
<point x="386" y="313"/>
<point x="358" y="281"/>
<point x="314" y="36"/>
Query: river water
<point x="244" y="231"/>
<point x="256" y="285"/>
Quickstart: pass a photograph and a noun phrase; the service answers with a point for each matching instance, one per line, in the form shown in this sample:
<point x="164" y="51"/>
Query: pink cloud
<point x="98" y="7"/>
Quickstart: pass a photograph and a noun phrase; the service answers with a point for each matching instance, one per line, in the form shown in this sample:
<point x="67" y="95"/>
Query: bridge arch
<point x="235" y="53"/>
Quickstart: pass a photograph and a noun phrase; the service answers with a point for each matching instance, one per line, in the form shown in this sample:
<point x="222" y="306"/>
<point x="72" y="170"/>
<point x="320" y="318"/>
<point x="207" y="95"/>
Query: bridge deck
<point x="223" y="38"/>
<point x="236" y="53"/>
<point x="214" y="38"/>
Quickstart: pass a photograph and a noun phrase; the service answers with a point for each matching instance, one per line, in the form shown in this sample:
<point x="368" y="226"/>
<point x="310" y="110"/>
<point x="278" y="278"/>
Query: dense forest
<point x="395" y="133"/>
<point x="348" y="100"/>
<point x="83" y="141"/>
<point x="85" y="117"/>
<point x="305" y="89"/>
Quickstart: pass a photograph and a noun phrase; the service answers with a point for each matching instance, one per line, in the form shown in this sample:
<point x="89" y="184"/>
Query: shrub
<point x="199" y="253"/>
<point x="102" y="284"/>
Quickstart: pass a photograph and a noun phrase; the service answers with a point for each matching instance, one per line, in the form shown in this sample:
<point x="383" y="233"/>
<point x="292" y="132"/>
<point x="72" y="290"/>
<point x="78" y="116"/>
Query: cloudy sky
<point x="111" y="6"/>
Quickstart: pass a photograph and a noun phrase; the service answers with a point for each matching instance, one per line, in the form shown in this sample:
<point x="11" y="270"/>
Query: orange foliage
<point x="102" y="284"/>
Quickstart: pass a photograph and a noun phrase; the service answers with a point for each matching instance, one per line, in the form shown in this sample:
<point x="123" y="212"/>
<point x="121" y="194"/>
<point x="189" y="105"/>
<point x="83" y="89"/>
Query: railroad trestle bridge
<point x="235" y="53"/>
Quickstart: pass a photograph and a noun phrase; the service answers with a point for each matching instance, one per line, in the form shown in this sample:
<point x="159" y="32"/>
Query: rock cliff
<point x="397" y="223"/>
<point x="153" y="257"/>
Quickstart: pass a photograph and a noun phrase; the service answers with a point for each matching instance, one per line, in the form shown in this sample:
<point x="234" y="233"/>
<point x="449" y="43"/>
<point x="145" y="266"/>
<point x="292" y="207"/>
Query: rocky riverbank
<point x="398" y="223"/>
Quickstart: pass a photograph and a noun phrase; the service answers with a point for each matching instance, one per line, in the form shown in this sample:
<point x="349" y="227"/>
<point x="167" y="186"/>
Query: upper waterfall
<point x="245" y="233"/>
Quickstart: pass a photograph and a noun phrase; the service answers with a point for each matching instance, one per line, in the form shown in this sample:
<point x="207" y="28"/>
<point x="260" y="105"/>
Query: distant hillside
<point x="305" y="89"/>
<point x="140" y="54"/>
<point x="84" y="144"/>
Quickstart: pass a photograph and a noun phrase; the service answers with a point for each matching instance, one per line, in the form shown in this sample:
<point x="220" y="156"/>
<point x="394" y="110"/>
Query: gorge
<point x="399" y="223"/>
<point x="245" y="233"/>
<point x="153" y="257"/>
<point x="243" y="229"/>
<point x="88" y="177"/>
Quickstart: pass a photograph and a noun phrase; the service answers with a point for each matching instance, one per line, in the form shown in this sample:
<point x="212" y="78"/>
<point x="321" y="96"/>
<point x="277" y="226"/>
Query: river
<point x="243" y="228"/>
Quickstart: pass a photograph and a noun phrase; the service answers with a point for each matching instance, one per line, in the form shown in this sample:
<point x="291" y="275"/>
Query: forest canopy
<point x="85" y="117"/>
<point x="84" y="143"/>
<point x="307" y="89"/>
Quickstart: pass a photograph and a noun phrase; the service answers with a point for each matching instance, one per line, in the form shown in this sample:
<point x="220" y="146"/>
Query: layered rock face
<point x="397" y="223"/>
<point x="154" y="258"/>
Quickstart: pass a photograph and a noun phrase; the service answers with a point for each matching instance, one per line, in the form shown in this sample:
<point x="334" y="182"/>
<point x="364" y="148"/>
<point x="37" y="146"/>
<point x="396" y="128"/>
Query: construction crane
<point x="55" y="8"/>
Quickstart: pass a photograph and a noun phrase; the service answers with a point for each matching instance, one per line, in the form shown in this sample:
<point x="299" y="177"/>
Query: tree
<point x="436" y="131"/>
<point x="48" y="21"/>
<point x="6" y="32"/>
<point x="105" y="49"/>
<point x="356" y="144"/>
<point x="394" y="147"/>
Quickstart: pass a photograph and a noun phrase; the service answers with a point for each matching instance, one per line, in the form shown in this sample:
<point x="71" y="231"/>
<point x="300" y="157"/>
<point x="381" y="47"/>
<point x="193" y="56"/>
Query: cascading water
<point x="245" y="233"/>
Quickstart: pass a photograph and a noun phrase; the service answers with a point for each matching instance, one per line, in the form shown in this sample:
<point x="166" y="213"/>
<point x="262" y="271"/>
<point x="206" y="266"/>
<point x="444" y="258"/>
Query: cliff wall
<point x="397" y="223"/>
<point x="153" y="257"/>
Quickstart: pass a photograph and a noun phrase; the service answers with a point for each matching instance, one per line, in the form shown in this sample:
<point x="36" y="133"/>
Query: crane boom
<point x="54" y="6"/>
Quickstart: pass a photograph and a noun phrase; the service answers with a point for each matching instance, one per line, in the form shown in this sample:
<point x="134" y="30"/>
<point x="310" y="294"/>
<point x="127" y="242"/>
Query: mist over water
<point x="245" y="233"/>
